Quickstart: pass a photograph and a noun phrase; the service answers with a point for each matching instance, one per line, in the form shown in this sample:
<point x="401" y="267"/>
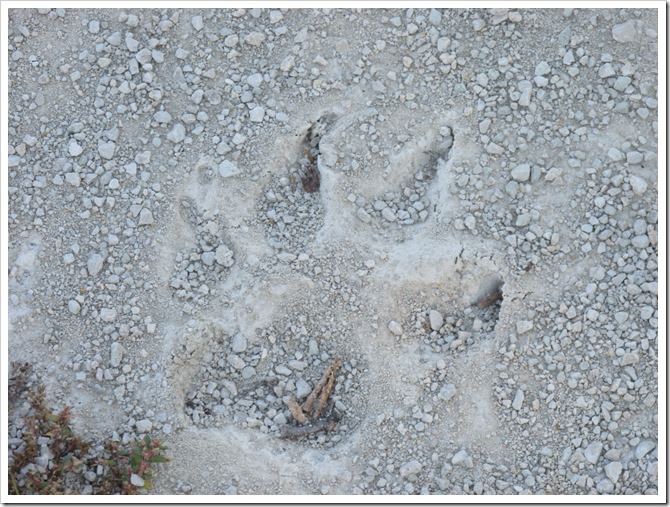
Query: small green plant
<point x="53" y="459"/>
<point x="130" y="469"/>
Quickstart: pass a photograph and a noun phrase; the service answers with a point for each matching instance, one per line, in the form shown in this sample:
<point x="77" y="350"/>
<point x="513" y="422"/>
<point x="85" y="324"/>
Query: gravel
<point x="206" y="208"/>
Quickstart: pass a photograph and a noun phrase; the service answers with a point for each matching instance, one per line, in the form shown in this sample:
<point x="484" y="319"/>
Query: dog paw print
<point x="291" y="209"/>
<point x="409" y="204"/>
<point x="199" y="268"/>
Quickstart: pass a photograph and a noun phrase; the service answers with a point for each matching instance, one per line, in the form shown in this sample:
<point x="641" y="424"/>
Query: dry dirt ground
<point x="208" y="208"/>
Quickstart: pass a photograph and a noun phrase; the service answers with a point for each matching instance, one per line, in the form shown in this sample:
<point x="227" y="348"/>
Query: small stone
<point x="94" y="264"/>
<point x="606" y="70"/>
<point x="257" y="114"/>
<point x="146" y="217"/>
<point x="117" y="354"/>
<point x="224" y="256"/>
<point x="144" y="426"/>
<point x="644" y="448"/>
<point x="614" y="154"/>
<point x="236" y="361"/>
<point x="395" y="328"/>
<point x="197" y="23"/>
<point x="255" y="80"/>
<point x="74" y="149"/>
<point x="634" y="157"/>
<point x="435" y="17"/>
<point x="287" y="63"/>
<point x="542" y="69"/>
<point x="107" y="314"/>
<point x="523" y="326"/>
<point x="613" y="471"/>
<point x="388" y="214"/>
<point x="625" y="32"/>
<point x="106" y="150"/>
<point x="621" y="83"/>
<point x="177" y="134"/>
<point x="478" y="25"/>
<point x="517" y="403"/>
<point x="231" y="41"/>
<point x="143" y="157"/>
<point x="73" y="179"/>
<point x="276" y="16"/>
<point x="447" y="392"/>
<point x="302" y="389"/>
<point x="136" y="480"/>
<point x="114" y="39"/>
<point x="283" y="370"/>
<point x="13" y="160"/>
<point x="363" y="215"/>
<point x="592" y="452"/>
<point x="521" y="172"/>
<point x="254" y="38"/>
<point x="638" y="184"/>
<point x="641" y="241"/>
<point x="238" y="343"/>
<point x="227" y="169"/>
<point x="208" y="258"/>
<point x="410" y="468"/>
<point x="605" y="487"/>
<point x="629" y="358"/>
<point x="94" y="26"/>
<point x="73" y="306"/>
<point x="460" y="457"/>
<point x="436" y="320"/>
<point x="248" y="372"/>
<point x="163" y="117"/>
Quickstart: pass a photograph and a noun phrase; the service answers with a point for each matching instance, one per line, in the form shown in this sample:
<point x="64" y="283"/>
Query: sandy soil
<point x="209" y="208"/>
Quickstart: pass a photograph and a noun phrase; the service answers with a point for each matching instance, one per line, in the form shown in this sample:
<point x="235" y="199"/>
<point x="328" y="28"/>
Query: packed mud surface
<point x="334" y="251"/>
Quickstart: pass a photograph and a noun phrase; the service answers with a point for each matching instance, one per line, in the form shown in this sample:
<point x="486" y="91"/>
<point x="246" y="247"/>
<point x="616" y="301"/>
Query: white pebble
<point x="197" y="23"/>
<point x="227" y="169"/>
<point x="73" y="306"/>
<point x="644" y="448"/>
<point x="106" y="150"/>
<point x="521" y="172"/>
<point x="395" y="328"/>
<point x="638" y="184"/>
<point x="436" y="320"/>
<point x="74" y="149"/>
<point x="224" y="256"/>
<point x="257" y="114"/>
<point x="177" y="134"/>
<point x="592" y="452"/>
<point x="523" y="326"/>
<point x="625" y="32"/>
<point x="613" y="471"/>
<point x="517" y="403"/>
<point x="410" y="468"/>
<point x="94" y="264"/>
<point x="146" y="217"/>
<point x="447" y="392"/>
<point x="116" y="355"/>
<point x="107" y="314"/>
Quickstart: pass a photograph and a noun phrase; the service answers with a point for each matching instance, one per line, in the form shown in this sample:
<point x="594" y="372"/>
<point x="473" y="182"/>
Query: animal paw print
<point x="198" y="269"/>
<point x="410" y="204"/>
<point x="291" y="209"/>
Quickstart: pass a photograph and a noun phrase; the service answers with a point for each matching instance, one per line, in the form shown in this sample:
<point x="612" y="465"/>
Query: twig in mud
<point x="489" y="299"/>
<point x="325" y="393"/>
<point x="328" y="424"/>
<point x="296" y="411"/>
<point x="309" y="402"/>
